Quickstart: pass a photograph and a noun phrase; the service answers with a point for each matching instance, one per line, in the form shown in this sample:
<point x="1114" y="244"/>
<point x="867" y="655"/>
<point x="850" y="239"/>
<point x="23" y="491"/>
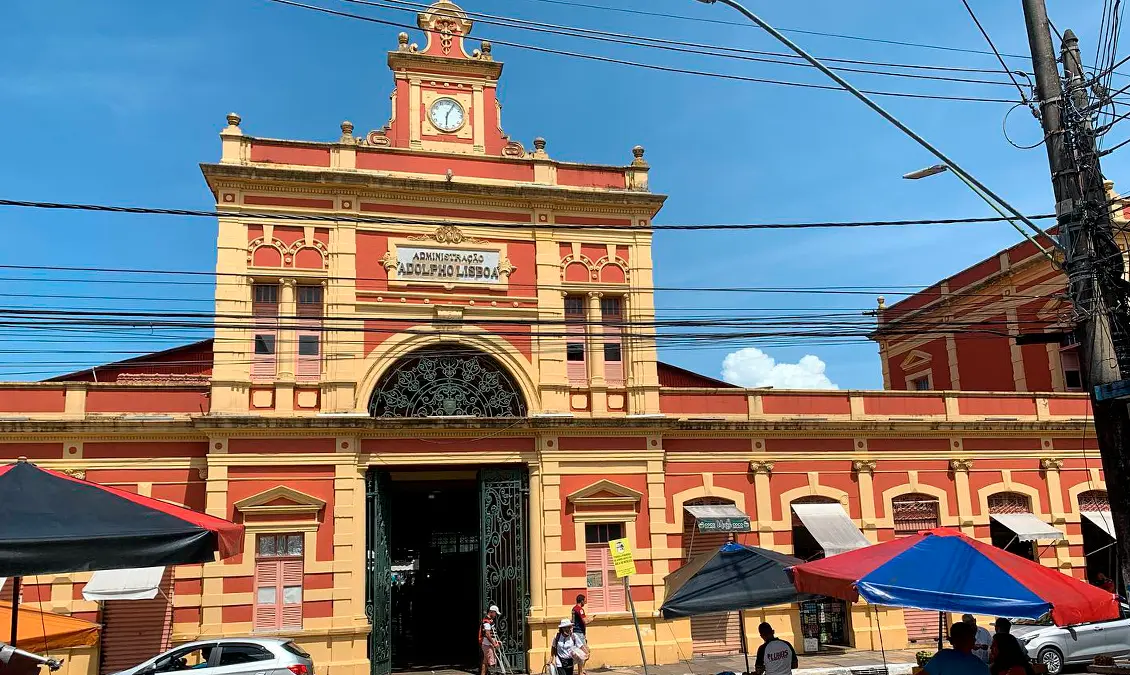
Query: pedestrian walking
<point x="488" y="640"/>
<point x="775" y="656"/>
<point x="982" y="639"/>
<point x="1006" y="656"/>
<point x="567" y="650"/>
<point x="580" y="622"/>
<point x="960" y="659"/>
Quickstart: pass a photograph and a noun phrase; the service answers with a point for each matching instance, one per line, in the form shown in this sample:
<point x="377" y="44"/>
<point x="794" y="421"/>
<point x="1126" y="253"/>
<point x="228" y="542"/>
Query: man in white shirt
<point x="983" y="639"/>
<point x="774" y="656"/>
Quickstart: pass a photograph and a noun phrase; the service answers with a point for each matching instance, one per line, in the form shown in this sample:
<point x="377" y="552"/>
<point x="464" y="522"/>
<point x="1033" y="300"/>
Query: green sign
<point x="724" y="524"/>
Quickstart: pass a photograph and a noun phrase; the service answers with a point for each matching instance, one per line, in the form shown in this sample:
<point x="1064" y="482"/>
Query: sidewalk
<point x="838" y="662"/>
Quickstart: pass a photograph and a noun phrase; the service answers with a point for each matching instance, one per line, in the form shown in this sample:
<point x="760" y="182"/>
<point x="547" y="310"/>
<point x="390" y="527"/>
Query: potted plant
<point x="922" y="658"/>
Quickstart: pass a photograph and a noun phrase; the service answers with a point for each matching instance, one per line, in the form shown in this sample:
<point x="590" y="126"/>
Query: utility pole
<point x="1083" y="215"/>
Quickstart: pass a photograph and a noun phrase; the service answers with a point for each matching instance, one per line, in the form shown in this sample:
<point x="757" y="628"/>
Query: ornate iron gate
<point x="505" y="563"/>
<point x="378" y="577"/>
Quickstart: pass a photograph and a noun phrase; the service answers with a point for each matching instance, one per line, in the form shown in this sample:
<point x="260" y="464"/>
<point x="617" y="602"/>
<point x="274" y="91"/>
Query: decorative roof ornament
<point x="445" y="23"/>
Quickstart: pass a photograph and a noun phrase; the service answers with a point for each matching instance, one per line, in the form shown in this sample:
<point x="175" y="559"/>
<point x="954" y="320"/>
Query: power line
<point x="690" y="47"/>
<point x="392" y="220"/>
<point x="798" y="31"/>
<point x="1004" y="66"/>
<point x="650" y="66"/>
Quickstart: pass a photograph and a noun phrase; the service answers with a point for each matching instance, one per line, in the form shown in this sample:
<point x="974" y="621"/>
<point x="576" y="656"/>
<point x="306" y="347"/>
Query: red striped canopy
<point x="51" y="522"/>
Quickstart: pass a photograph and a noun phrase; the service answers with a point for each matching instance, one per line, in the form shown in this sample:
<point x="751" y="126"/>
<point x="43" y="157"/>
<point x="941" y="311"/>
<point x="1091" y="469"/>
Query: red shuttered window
<point x="308" y="366"/>
<point x="575" y="331"/>
<point x="612" y="316"/>
<point x="605" y="590"/>
<point x="278" y="582"/>
<point x="265" y="309"/>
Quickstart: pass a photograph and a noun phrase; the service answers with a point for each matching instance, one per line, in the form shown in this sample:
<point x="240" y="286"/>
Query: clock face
<point x="446" y="114"/>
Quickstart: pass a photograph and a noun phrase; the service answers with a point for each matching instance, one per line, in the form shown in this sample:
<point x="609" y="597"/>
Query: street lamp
<point x="927" y="172"/>
<point x="964" y="175"/>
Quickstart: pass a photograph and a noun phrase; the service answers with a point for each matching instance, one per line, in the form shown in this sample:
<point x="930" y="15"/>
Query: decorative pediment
<point x="915" y="360"/>
<point x="605" y="494"/>
<point x="280" y="500"/>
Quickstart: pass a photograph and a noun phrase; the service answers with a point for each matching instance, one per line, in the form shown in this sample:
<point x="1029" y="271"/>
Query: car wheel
<point x="1052" y="660"/>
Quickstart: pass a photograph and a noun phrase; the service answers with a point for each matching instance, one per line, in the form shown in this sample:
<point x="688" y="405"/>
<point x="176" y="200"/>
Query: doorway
<point x="441" y="545"/>
<point x="434" y="557"/>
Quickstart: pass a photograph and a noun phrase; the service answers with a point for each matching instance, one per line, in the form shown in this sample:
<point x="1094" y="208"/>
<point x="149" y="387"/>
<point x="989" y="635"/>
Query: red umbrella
<point x="943" y="570"/>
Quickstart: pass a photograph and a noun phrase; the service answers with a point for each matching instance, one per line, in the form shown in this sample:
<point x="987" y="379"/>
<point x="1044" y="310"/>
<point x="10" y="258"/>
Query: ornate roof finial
<point x="347" y="132"/>
<point x="234" y="119"/>
<point x="539" y="144"/>
<point x="486" y="47"/>
<point x="882" y="302"/>
<point x="402" y="42"/>
<point x="637" y="154"/>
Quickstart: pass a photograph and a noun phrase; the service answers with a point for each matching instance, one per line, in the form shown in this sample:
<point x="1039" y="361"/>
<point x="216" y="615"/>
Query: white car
<point x="229" y="656"/>
<point x="1056" y="646"/>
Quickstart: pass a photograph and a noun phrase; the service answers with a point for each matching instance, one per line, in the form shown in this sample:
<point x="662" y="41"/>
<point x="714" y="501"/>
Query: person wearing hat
<point x="488" y="641"/>
<point x="567" y="649"/>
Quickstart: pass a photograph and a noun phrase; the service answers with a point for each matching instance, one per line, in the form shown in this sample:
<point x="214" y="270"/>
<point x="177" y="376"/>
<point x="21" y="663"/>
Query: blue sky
<point x="118" y="103"/>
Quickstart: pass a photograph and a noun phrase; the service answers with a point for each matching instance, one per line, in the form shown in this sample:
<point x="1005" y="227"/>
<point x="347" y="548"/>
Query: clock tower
<point x="446" y="91"/>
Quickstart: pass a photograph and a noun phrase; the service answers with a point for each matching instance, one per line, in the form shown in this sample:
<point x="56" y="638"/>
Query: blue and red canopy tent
<point x="54" y="523"/>
<point x="945" y="571"/>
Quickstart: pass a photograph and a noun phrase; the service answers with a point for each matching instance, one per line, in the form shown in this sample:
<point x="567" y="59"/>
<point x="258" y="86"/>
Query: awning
<point x="46" y="631"/>
<point x="1102" y="519"/>
<point x="1028" y="527"/>
<point x="719" y="518"/>
<point x="830" y="526"/>
<point x="127" y="584"/>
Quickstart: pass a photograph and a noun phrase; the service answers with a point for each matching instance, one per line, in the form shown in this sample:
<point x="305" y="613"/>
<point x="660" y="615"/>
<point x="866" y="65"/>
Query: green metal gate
<point x="503" y="495"/>
<point x="378" y="577"/>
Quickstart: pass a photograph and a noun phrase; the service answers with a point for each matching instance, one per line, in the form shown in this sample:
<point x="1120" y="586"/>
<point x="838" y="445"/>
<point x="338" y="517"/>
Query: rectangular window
<point x="308" y="345"/>
<point x="1072" y="374"/>
<point x="575" y="333"/>
<point x="604" y="590"/>
<point x="920" y="383"/>
<point x="264" y="362"/>
<point x="310" y="301"/>
<point x="266" y="294"/>
<point x="612" y="314"/>
<point x="278" y="582"/>
<point x="265" y="343"/>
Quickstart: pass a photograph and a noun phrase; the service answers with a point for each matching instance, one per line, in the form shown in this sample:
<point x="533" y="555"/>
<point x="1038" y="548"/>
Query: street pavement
<point x="836" y="662"/>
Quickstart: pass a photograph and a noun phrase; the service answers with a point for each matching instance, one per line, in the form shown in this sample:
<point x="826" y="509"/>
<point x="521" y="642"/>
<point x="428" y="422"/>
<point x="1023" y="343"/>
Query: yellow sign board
<point x="622" y="557"/>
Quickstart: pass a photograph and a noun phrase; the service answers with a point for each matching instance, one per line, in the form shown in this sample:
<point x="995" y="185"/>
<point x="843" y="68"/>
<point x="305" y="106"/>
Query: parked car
<point x="1056" y="646"/>
<point x="230" y="656"/>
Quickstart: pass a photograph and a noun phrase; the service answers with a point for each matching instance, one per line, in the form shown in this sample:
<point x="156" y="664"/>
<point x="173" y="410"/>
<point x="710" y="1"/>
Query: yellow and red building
<point x="434" y="386"/>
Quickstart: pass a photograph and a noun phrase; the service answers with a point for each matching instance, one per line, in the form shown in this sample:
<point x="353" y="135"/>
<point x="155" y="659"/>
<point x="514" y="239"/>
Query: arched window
<point x="711" y="634"/>
<point x="915" y="512"/>
<point x="1098" y="538"/>
<point x="451" y="381"/>
<point x="1006" y="503"/>
<point x="1094" y="500"/>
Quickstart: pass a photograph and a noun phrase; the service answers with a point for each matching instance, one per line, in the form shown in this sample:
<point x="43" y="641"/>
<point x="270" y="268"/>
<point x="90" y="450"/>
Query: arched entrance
<point x="444" y="542"/>
<point x="912" y="513"/>
<point x="824" y="620"/>
<point x="449" y="381"/>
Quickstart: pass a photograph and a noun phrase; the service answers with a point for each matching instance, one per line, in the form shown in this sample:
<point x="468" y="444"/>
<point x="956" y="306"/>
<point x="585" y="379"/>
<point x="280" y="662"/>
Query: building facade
<point x="1004" y="324"/>
<point x="434" y="386"/>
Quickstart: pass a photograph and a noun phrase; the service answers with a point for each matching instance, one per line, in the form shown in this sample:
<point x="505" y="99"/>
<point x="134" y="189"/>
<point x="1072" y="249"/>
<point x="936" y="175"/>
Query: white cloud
<point x="751" y="367"/>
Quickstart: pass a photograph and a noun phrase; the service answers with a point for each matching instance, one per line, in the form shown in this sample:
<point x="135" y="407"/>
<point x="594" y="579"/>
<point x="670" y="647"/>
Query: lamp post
<point x="968" y="178"/>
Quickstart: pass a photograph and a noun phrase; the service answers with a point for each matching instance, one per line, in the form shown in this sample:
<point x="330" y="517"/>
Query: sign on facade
<point x="622" y="557"/>
<point x="419" y="263"/>
<point x="724" y="524"/>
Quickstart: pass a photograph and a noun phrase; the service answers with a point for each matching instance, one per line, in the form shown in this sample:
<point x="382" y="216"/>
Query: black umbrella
<point x="731" y="579"/>
<point x="51" y="522"/>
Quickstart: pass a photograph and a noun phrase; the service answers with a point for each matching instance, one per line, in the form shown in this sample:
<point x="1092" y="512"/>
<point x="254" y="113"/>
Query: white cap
<point x="494" y="608"/>
<point x="565" y="623"/>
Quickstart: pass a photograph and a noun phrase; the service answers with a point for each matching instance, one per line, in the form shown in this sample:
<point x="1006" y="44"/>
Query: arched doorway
<point x="1098" y="541"/>
<point x="448" y="381"/>
<point x="711" y="634"/>
<point x="912" y="513"/>
<point x="824" y="621"/>
<point x="1008" y="503"/>
<point x="445" y="541"/>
